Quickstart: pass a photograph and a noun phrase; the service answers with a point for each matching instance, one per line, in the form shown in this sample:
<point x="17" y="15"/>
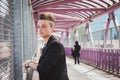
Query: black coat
<point x="77" y="49"/>
<point x="52" y="63"/>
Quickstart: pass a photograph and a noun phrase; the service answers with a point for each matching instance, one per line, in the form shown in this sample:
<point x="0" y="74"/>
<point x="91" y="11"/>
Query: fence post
<point x="117" y="61"/>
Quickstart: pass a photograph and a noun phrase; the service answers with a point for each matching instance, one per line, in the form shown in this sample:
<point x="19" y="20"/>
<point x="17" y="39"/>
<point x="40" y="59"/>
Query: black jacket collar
<point x="50" y="39"/>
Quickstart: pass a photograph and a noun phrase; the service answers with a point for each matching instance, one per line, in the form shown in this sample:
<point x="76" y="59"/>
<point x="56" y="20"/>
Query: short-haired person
<point x="52" y="63"/>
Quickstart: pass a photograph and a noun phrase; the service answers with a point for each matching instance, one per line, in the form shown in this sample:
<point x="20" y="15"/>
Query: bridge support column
<point x="88" y="30"/>
<point x="117" y="26"/>
<point x="106" y="31"/>
<point x="18" y="39"/>
<point x="90" y="33"/>
<point x="76" y="36"/>
<point x="85" y="36"/>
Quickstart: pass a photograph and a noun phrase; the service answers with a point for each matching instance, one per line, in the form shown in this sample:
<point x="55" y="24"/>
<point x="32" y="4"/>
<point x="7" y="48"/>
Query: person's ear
<point x="52" y="28"/>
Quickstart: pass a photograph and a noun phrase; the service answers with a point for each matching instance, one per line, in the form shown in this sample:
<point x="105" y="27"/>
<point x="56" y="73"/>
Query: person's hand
<point x="33" y="65"/>
<point x="35" y="61"/>
<point x="26" y="64"/>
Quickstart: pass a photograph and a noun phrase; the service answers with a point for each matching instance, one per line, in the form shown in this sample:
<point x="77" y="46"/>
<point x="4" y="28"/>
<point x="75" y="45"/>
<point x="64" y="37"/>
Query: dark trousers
<point x="77" y="59"/>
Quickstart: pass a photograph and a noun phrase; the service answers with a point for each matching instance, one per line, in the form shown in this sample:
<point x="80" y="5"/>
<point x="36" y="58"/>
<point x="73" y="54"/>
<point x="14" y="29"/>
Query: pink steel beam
<point x="41" y="3"/>
<point x="64" y="25"/>
<point x="114" y="21"/>
<point x="106" y="31"/>
<point x="72" y="10"/>
<point x="109" y="10"/>
<point x="66" y="16"/>
<point x="84" y="16"/>
<point x="67" y="21"/>
<point x="85" y="33"/>
<point x="105" y="3"/>
<point x="56" y="4"/>
<point x="97" y="3"/>
<point x="34" y="1"/>
<point x="80" y="4"/>
<point x="59" y="30"/>
<point x="85" y="4"/>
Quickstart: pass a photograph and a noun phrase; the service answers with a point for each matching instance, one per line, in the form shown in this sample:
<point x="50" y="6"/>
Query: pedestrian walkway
<point x="84" y="72"/>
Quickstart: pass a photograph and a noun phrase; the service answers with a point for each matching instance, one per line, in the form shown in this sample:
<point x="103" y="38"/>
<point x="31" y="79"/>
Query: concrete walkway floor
<point x="81" y="72"/>
<point x="84" y="72"/>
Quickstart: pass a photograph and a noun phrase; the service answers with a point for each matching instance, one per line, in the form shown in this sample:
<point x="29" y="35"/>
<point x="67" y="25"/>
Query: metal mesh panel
<point x="6" y="40"/>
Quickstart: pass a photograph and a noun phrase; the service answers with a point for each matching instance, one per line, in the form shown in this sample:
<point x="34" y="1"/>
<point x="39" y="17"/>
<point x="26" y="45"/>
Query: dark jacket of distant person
<point x="77" y="48"/>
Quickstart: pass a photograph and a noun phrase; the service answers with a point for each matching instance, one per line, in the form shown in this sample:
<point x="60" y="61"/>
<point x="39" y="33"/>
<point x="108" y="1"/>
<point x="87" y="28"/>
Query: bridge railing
<point x="6" y="69"/>
<point x="104" y="59"/>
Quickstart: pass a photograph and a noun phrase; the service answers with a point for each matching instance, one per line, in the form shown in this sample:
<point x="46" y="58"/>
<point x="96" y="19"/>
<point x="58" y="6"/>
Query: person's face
<point x="44" y="28"/>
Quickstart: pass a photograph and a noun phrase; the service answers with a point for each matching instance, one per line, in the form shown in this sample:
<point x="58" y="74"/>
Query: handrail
<point x="105" y="59"/>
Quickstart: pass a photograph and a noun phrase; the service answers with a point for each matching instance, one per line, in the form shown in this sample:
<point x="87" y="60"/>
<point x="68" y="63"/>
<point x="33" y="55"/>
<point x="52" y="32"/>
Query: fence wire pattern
<point x="6" y="40"/>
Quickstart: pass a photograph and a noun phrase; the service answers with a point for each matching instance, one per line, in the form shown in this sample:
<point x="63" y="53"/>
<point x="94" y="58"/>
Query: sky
<point x="99" y="23"/>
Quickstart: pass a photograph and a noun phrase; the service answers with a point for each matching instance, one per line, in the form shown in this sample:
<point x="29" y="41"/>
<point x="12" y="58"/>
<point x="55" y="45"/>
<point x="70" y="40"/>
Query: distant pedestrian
<point x="76" y="52"/>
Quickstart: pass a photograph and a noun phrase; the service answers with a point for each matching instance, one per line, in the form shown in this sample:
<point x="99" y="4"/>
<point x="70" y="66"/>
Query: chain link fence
<point x="6" y="40"/>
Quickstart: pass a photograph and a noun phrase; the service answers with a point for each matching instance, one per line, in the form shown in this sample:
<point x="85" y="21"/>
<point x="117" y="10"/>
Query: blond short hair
<point x="49" y="17"/>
